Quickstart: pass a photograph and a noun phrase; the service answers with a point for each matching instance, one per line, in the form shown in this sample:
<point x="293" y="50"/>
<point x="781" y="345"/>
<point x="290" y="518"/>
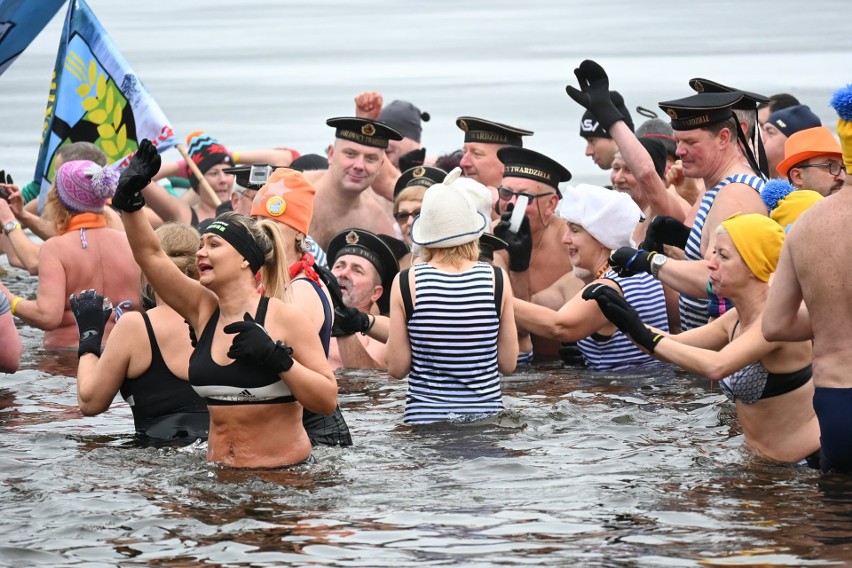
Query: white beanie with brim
<point x="608" y="215"/>
<point x="449" y="213"/>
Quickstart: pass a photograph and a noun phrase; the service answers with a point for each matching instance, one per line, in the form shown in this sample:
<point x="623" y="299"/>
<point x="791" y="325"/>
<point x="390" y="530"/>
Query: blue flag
<point x="20" y="23"/>
<point x="96" y="97"/>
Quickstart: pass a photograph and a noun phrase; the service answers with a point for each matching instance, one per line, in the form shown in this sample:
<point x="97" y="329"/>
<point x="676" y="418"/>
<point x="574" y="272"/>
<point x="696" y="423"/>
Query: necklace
<point x="602" y="270"/>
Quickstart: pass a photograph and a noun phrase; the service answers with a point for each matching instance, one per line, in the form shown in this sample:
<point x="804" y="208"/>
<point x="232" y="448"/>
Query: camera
<point x="259" y="173"/>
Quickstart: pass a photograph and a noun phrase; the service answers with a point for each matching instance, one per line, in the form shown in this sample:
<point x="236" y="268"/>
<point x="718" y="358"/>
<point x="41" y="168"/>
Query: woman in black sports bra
<point x="146" y="358"/>
<point x="254" y="363"/>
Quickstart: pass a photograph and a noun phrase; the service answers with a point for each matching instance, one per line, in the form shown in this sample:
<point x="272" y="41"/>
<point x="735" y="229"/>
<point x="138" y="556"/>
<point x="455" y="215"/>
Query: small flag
<point x="20" y="22"/>
<point x="96" y="97"/>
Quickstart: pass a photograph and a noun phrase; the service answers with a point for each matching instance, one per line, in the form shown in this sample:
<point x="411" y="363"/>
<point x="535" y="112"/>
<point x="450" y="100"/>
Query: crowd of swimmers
<point x="221" y="312"/>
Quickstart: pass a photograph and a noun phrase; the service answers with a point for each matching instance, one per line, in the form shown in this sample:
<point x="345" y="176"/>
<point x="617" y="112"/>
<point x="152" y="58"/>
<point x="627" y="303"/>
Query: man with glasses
<point x="813" y="160"/>
<point x="482" y="139"/>
<point x="536" y="258"/>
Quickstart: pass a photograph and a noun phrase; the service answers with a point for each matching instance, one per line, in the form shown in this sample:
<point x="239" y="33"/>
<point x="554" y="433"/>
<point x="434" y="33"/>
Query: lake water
<point x="586" y="469"/>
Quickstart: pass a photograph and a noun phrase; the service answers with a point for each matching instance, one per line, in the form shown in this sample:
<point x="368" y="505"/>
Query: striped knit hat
<point x="206" y="152"/>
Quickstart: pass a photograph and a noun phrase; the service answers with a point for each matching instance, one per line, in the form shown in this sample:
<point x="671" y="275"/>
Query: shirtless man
<point x="706" y="129"/>
<point x="546" y="259"/>
<point x="482" y="139"/>
<point x="364" y="266"/>
<point x="342" y="200"/>
<point x="811" y="271"/>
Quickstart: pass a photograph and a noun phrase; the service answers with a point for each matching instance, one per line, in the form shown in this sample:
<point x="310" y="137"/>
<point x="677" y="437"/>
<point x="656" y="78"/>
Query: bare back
<point x="820" y="250"/>
<point x="65" y="268"/>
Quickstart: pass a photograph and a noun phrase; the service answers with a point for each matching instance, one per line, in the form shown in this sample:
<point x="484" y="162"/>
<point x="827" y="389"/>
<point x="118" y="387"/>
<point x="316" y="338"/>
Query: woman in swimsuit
<point x="254" y="363"/>
<point x="770" y="382"/>
<point x="287" y="199"/>
<point x="146" y="357"/>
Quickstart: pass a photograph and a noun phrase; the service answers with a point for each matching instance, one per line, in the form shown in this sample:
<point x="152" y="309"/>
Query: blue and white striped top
<point x="693" y="311"/>
<point x="453" y="335"/>
<point x="646" y="295"/>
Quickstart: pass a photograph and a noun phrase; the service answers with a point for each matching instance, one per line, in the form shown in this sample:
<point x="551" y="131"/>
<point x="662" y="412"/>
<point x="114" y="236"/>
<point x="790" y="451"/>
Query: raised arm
<point x="183" y="293"/>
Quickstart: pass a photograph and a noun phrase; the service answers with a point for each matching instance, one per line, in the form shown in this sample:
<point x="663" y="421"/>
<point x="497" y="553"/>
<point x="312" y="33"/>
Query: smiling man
<point x="354" y="161"/>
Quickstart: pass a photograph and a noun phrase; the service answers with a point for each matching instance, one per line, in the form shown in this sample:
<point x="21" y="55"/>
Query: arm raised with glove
<point x="609" y="109"/>
<point x="185" y="294"/>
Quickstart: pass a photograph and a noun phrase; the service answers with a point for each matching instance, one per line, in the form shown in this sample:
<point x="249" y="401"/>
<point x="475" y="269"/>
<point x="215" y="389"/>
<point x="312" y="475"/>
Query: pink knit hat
<point x="83" y="186"/>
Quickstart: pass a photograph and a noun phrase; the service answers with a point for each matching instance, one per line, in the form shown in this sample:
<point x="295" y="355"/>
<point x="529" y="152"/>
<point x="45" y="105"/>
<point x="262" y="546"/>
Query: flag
<point x="20" y="22"/>
<point x="96" y="97"/>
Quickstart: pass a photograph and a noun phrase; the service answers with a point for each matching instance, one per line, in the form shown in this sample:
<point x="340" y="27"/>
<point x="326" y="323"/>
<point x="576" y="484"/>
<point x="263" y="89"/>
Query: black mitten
<point x="520" y="243"/>
<point x="91" y="313"/>
<point x="665" y="230"/>
<point x="254" y="343"/>
<point x="136" y="176"/>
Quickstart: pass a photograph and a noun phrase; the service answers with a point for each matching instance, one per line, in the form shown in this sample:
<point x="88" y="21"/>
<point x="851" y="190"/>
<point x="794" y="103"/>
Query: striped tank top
<point x="615" y="352"/>
<point x="453" y="335"/>
<point x="693" y="311"/>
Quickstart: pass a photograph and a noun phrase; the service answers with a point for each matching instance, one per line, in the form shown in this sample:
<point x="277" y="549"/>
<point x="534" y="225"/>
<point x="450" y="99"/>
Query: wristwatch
<point x="10" y="226"/>
<point x="657" y="262"/>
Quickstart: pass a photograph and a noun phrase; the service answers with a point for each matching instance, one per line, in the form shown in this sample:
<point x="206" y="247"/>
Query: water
<point x="642" y="469"/>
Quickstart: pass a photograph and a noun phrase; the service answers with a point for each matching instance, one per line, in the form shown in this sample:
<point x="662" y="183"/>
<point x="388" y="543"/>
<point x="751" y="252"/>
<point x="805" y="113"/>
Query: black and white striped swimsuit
<point x="453" y="335"/>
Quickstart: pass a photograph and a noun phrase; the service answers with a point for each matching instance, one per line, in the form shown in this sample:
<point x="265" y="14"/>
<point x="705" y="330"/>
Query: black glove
<point x="628" y="261"/>
<point x="349" y="320"/>
<point x="594" y="93"/>
<point x="331" y="283"/>
<point x="520" y="243"/>
<point x="411" y="159"/>
<point x="253" y="342"/>
<point x="91" y="313"/>
<point x="621" y="313"/>
<point x="135" y="177"/>
<point x="665" y="230"/>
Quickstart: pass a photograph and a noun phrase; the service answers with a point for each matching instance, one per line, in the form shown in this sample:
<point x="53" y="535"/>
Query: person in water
<point x="254" y="364"/>
<point x="146" y="358"/>
<point x="769" y="381"/>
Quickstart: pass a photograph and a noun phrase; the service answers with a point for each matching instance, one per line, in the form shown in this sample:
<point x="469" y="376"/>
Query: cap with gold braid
<point x="748" y="102"/>
<point x="701" y="110"/>
<point x="363" y="131"/>
<point x="524" y="163"/>
<point x="488" y="132"/>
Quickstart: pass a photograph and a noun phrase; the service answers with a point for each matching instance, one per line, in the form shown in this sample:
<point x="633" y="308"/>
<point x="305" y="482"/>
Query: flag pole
<point x="202" y="181"/>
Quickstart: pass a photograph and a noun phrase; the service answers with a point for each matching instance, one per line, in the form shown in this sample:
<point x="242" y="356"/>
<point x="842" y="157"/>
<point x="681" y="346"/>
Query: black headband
<point x="239" y="238"/>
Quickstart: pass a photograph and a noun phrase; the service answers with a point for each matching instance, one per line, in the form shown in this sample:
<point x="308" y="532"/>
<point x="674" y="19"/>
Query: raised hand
<point x="347" y="321"/>
<point x="136" y="176"/>
<point x="91" y="312"/>
<point x="252" y="342"/>
<point x="594" y="93"/>
<point x="520" y="243"/>
<point x="665" y="230"/>
<point x="369" y="105"/>
<point x="629" y="261"/>
<point x="619" y="311"/>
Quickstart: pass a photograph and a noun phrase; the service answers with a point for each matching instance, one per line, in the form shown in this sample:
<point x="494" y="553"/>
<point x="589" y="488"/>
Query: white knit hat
<point x="449" y="213"/>
<point x="608" y="215"/>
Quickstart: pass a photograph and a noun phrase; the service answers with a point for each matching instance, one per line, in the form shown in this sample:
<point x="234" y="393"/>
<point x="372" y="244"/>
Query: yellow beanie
<point x="844" y="130"/>
<point x="793" y="205"/>
<point x="758" y="240"/>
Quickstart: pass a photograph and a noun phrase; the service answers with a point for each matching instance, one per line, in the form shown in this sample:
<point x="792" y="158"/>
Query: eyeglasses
<point x="506" y="194"/>
<point x="402" y="216"/>
<point x="833" y="167"/>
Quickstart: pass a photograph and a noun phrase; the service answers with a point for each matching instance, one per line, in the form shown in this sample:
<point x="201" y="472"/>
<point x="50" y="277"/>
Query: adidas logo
<point x="246" y="393"/>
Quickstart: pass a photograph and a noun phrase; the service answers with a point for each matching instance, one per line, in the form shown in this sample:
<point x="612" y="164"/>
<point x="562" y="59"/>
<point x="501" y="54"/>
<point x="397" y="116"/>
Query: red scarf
<point x="304" y="264"/>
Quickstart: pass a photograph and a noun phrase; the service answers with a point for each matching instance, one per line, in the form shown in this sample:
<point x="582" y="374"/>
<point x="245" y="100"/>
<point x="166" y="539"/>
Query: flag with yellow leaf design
<point x="96" y="97"/>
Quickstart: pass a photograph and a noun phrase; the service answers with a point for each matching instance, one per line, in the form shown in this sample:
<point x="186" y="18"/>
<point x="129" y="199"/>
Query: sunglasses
<point x="506" y="194"/>
<point x="402" y="216"/>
